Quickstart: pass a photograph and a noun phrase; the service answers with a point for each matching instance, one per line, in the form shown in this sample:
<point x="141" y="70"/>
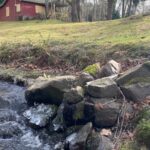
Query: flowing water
<point x="15" y="133"/>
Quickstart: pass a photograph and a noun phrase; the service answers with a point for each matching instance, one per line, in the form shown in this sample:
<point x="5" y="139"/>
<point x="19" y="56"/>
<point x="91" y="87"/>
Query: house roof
<point x="35" y="1"/>
<point x="60" y="3"/>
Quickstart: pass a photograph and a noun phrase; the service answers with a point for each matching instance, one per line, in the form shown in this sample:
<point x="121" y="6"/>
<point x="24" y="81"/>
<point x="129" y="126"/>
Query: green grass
<point x="74" y="43"/>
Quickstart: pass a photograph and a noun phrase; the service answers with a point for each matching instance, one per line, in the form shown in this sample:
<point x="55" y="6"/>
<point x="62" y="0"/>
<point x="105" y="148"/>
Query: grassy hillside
<point x="56" y="43"/>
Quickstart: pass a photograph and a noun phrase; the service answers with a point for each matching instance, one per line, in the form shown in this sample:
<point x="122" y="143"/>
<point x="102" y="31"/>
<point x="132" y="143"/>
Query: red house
<point x="21" y="9"/>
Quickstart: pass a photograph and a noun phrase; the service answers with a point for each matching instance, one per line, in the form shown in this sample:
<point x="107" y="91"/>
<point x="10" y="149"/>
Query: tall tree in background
<point x="110" y="9"/>
<point x="75" y="10"/>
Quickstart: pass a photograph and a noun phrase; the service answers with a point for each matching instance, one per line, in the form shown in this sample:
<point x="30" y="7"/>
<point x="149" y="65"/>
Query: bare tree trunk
<point x="123" y="8"/>
<point x="75" y="10"/>
<point x="129" y="8"/>
<point x="78" y="7"/>
<point x="110" y="9"/>
<point x="46" y="9"/>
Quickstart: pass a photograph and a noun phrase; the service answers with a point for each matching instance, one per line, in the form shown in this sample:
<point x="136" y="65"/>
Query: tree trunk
<point x="123" y="8"/>
<point x="129" y="8"/>
<point x="110" y="9"/>
<point x="75" y="11"/>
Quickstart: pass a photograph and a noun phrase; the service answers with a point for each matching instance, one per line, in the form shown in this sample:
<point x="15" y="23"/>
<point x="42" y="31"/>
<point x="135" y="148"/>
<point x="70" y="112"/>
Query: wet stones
<point x="39" y="115"/>
<point x="8" y="115"/>
<point x="77" y="141"/>
<point x="9" y="129"/>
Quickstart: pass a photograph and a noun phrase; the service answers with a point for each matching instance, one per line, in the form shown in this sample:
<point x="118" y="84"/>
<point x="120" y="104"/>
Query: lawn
<point x="77" y="44"/>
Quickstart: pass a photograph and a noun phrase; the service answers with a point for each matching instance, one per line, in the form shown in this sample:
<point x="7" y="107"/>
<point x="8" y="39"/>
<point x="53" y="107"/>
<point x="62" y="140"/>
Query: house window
<point x="18" y="8"/>
<point x="39" y="9"/>
<point x="7" y="11"/>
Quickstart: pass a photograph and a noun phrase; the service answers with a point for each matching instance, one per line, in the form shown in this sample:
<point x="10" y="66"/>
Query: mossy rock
<point x="138" y="80"/>
<point x="79" y="112"/>
<point x="92" y="69"/>
<point x="143" y="133"/>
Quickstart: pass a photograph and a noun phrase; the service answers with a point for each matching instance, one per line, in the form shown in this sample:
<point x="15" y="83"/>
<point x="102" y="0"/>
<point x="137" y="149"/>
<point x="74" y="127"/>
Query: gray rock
<point x="58" y="122"/>
<point x="77" y="141"/>
<point x="84" y="78"/>
<point x="138" y="73"/>
<point x="74" y="114"/>
<point x="106" y="112"/>
<point x="39" y="115"/>
<point x="59" y="146"/>
<point x="136" y="92"/>
<point x="97" y="142"/>
<point x="135" y="83"/>
<point x="111" y="68"/>
<point x="50" y="90"/>
<point x="103" y="88"/>
<point x="75" y="95"/>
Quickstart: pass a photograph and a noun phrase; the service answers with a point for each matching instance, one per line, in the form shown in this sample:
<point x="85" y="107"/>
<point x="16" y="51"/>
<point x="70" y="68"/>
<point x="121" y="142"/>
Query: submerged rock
<point x="77" y="141"/>
<point x="59" y="146"/>
<point x="8" y="115"/>
<point x="9" y="129"/>
<point x="50" y="90"/>
<point x="74" y="95"/>
<point x="39" y="115"/>
<point x="103" y="88"/>
<point x="4" y="103"/>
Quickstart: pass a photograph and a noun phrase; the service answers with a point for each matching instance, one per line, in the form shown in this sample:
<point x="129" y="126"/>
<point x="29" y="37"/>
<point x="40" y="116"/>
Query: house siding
<point x="26" y="9"/>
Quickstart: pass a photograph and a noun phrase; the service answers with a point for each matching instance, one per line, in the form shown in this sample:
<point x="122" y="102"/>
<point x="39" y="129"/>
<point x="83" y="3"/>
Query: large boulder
<point x="77" y="141"/>
<point x="106" y="112"/>
<point x="135" y="83"/>
<point x="50" y="90"/>
<point x="136" y="92"/>
<point x="135" y="74"/>
<point x="74" y="95"/>
<point x="103" y="88"/>
<point x="111" y="68"/>
<point x="97" y="142"/>
<point x="39" y="115"/>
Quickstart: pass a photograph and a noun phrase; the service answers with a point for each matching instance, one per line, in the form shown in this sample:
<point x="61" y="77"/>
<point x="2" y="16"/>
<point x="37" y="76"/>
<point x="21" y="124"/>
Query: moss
<point x="143" y="133"/>
<point x="92" y="69"/>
